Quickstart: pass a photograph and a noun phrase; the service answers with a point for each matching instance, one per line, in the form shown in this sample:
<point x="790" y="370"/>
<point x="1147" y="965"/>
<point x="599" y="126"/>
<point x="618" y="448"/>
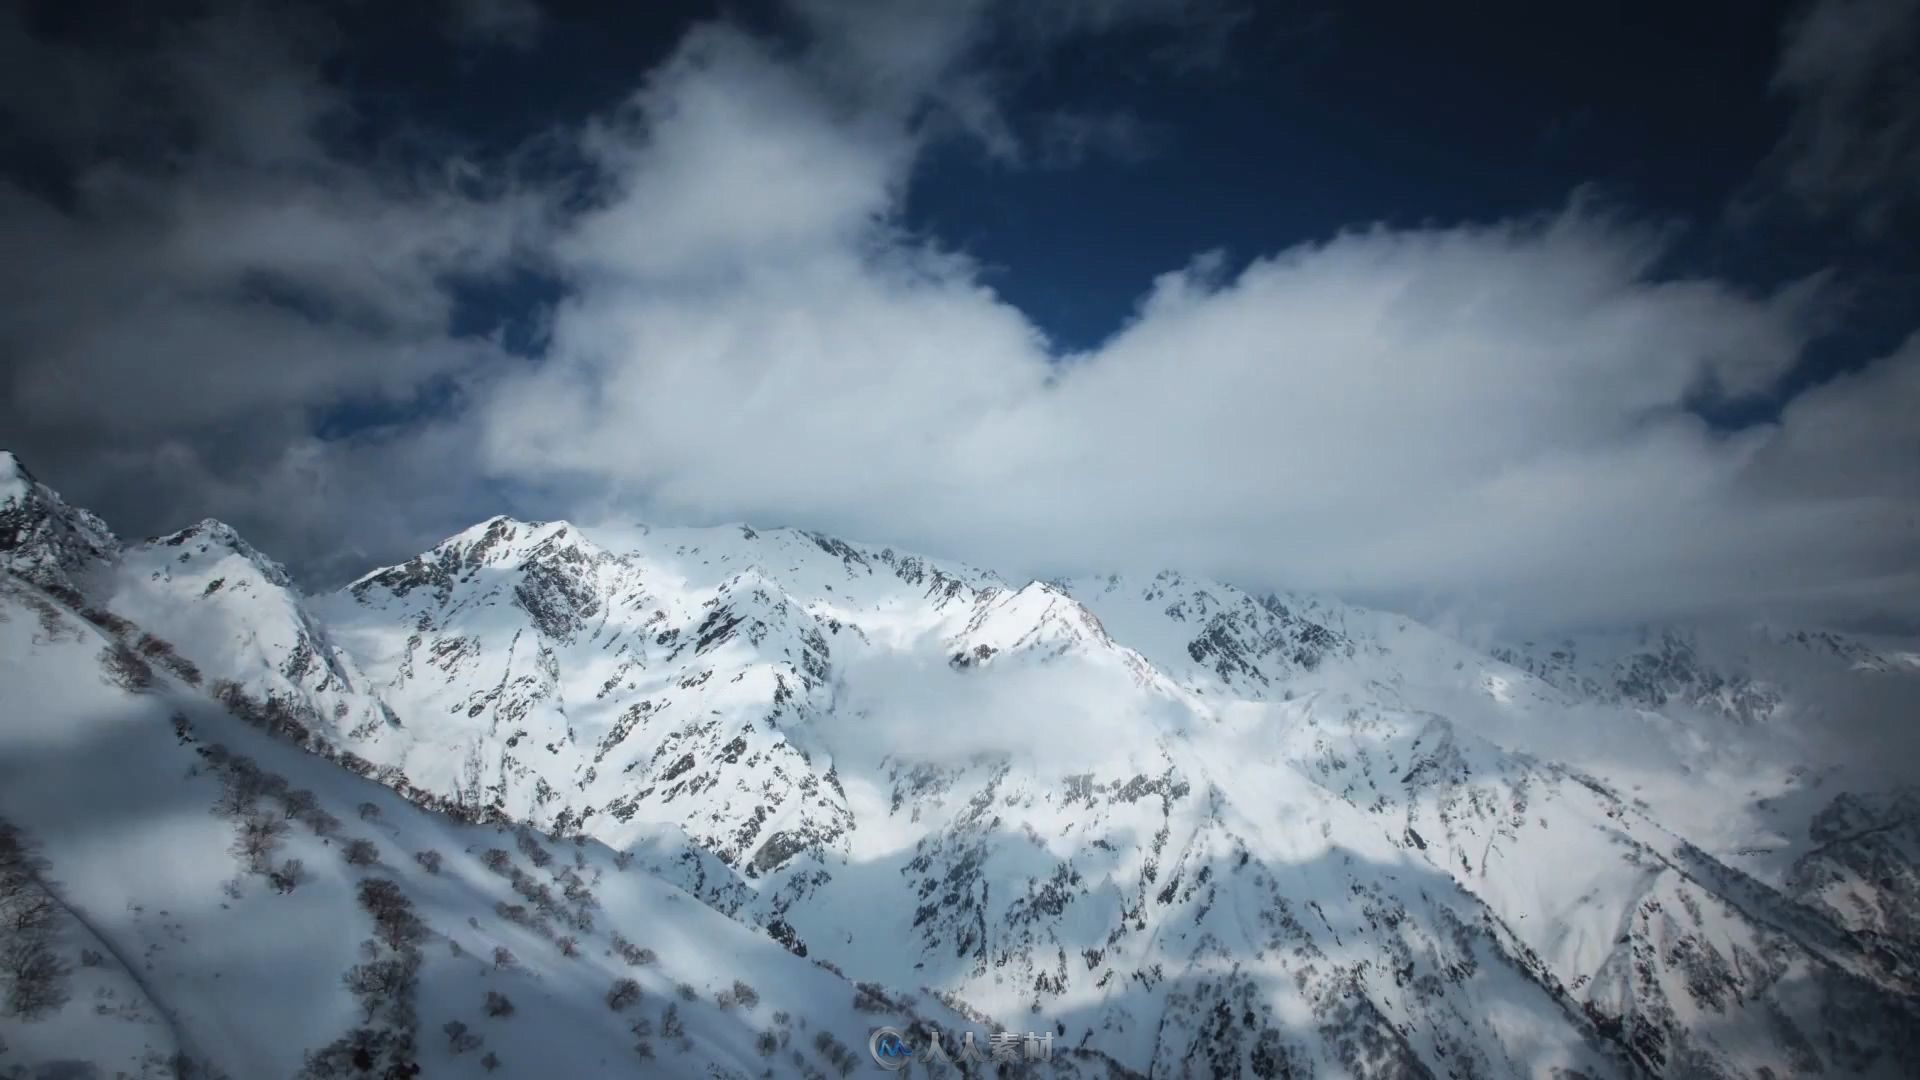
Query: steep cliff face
<point x="1187" y="828"/>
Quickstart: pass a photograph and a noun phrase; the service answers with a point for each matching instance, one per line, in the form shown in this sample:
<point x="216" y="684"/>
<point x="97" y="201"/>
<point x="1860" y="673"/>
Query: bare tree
<point x="288" y="875"/>
<point x="24" y="906"/>
<point x="459" y="1040"/>
<point x="394" y="923"/>
<point x="242" y="784"/>
<point x="259" y="835"/>
<point x="299" y="802"/>
<point x="531" y="847"/>
<point x="623" y="994"/>
<point x="360" y="852"/>
<point x="377" y="982"/>
<point x="36" y="976"/>
<point x="503" y="957"/>
<point x="576" y="892"/>
<point x="430" y="860"/>
<point x="498" y="1004"/>
<point x="835" y="1051"/>
<point x="322" y="823"/>
<point x="125" y="668"/>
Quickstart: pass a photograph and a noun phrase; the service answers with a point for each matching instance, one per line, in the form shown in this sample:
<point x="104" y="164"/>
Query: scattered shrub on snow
<point x="125" y="668"/>
<point x="259" y="835"/>
<point x="322" y="823"/>
<point x="459" y="1039"/>
<point x="671" y="1026"/>
<point x="835" y="1052"/>
<point x="299" y="802"/>
<point x="394" y="923"/>
<point x="531" y="847"/>
<point x="378" y="983"/>
<point x="287" y="876"/>
<point x="633" y="954"/>
<point x="623" y="994"/>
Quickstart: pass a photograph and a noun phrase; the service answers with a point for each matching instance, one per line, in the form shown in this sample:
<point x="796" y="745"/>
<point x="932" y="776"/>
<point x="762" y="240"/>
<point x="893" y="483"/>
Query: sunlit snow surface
<point x="1183" y="826"/>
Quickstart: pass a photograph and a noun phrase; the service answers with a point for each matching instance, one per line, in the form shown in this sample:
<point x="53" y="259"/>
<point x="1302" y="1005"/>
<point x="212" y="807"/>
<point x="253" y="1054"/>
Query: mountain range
<point x="722" y="801"/>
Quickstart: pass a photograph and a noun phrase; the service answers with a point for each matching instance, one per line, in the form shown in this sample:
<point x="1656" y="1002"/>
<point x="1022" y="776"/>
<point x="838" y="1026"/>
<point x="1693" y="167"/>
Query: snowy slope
<point x="1187" y="828"/>
<point x="196" y="958"/>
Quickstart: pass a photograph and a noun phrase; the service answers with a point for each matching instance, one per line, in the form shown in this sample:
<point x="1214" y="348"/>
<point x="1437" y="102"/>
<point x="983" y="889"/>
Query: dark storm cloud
<point x="1851" y="71"/>
<point x="513" y="24"/>
<point x="208" y="271"/>
<point x="1489" y="416"/>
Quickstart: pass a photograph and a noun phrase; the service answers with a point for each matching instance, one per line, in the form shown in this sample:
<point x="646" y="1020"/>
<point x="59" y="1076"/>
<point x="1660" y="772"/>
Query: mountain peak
<point x="42" y="538"/>
<point x="498" y="541"/>
<point x="16" y="483"/>
<point x="212" y="533"/>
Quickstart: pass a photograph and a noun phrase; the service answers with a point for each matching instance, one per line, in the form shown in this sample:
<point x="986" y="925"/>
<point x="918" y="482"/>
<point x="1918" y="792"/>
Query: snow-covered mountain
<point x="1185" y="829"/>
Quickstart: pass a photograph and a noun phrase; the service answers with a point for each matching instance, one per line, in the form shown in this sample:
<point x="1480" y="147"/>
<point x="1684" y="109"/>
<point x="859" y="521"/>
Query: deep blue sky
<point x="1406" y="114"/>
<point x="1311" y="121"/>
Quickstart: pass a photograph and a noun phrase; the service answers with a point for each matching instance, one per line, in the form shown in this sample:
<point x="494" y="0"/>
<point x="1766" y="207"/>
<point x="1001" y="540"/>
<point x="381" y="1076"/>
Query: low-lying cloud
<point x="911" y="705"/>
<point x="1491" y="417"/>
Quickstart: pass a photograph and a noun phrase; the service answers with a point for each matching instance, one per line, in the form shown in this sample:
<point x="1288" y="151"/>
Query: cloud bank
<point x="1487" y="416"/>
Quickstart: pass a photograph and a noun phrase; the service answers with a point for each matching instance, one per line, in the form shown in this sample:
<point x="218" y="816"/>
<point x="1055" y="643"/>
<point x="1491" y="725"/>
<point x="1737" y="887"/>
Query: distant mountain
<point x="1184" y="828"/>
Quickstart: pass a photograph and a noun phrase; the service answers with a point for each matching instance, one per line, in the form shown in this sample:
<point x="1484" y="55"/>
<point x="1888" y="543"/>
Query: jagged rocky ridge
<point x="1191" y="829"/>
